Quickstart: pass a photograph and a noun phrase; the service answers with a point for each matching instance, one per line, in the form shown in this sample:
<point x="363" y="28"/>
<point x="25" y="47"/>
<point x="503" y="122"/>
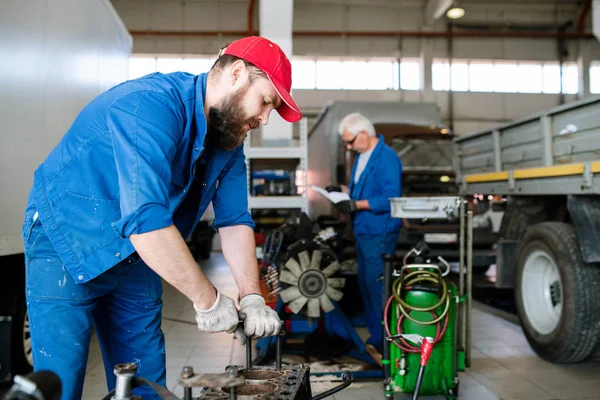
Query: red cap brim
<point x="288" y="108"/>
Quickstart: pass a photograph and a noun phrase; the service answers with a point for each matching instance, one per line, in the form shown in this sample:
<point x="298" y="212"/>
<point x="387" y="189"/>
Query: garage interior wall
<point x="470" y="111"/>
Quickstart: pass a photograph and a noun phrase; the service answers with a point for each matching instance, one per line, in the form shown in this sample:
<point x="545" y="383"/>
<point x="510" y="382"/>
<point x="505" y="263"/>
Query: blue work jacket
<point x="380" y="180"/>
<point x="126" y="166"/>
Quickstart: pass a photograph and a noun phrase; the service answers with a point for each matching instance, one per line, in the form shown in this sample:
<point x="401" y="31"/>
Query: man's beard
<point x="226" y="121"/>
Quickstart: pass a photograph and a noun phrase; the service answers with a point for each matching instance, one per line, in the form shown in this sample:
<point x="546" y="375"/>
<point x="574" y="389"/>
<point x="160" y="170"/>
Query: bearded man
<point x="113" y="202"/>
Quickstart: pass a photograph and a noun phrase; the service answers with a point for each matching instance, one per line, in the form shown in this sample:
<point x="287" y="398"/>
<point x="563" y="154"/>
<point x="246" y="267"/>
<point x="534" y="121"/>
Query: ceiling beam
<point x="435" y="9"/>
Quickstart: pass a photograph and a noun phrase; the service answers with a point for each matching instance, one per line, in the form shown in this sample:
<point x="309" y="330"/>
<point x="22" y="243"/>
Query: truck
<point x="57" y="55"/>
<point x="543" y="170"/>
<point x="424" y="145"/>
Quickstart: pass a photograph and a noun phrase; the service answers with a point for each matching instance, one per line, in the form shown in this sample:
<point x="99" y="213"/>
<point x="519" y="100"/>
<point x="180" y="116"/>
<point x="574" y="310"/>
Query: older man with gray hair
<point x="376" y="176"/>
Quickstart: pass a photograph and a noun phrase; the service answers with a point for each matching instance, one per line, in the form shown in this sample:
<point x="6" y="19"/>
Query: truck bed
<point x="554" y="152"/>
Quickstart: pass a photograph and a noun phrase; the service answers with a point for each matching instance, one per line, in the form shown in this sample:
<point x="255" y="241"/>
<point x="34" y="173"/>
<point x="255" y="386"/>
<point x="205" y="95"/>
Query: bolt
<point x="128" y="368"/>
<point x="187" y="372"/>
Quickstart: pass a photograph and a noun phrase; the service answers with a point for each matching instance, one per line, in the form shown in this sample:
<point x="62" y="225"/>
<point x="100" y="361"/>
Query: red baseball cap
<point x="270" y="59"/>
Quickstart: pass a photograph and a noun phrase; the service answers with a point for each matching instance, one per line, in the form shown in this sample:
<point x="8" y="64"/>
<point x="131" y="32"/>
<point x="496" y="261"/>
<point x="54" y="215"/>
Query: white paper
<point x="334" y="197"/>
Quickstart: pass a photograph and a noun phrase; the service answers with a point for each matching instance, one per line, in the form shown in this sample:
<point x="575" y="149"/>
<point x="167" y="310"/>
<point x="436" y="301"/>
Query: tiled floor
<point x="503" y="365"/>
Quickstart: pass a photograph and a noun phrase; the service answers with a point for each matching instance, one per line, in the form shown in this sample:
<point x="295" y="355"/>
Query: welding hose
<point x="417" y="277"/>
<point x="413" y="278"/>
<point x="407" y="282"/>
<point x="404" y="345"/>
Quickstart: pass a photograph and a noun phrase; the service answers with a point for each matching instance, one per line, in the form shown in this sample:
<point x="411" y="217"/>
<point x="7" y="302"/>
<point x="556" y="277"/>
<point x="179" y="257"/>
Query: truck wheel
<point x="557" y="294"/>
<point x="22" y="358"/>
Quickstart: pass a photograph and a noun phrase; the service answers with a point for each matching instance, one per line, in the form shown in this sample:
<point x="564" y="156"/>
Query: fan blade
<point x="313" y="308"/>
<point x="315" y="261"/>
<point x="293" y="266"/>
<point x="326" y="304"/>
<point x="304" y="260"/>
<point x="288" y="277"/>
<point x="289" y="294"/>
<point x="296" y="305"/>
<point x="336" y="282"/>
<point x="334" y="294"/>
<point x="331" y="269"/>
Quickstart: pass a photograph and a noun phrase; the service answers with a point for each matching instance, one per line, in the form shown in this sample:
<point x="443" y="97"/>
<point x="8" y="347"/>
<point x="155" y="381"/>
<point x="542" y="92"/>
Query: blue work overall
<point x="135" y="160"/>
<point x="375" y="231"/>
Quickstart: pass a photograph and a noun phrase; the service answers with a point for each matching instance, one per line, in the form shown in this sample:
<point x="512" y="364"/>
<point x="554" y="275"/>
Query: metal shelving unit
<point x="293" y="152"/>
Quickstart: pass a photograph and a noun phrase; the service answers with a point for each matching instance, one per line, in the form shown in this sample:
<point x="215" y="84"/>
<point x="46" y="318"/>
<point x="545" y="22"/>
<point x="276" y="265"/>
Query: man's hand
<point x="333" y="188"/>
<point x="221" y="317"/>
<point x="259" y="319"/>
<point x="346" y="207"/>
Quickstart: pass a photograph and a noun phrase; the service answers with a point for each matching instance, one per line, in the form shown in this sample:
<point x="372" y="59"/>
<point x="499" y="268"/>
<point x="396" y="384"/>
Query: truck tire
<point x="557" y="294"/>
<point x="22" y="359"/>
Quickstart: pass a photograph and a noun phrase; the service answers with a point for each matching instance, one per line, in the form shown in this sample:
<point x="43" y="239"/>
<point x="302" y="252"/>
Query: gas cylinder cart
<point x="427" y="317"/>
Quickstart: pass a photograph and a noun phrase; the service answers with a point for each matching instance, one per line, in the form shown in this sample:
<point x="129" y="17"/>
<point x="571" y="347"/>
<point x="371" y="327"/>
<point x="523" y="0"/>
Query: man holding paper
<point x="376" y="177"/>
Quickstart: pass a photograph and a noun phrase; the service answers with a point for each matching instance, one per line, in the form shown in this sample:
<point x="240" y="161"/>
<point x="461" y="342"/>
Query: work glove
<point x="346" y="206"/>
<point x="221" y="317"/>
<point x="333" y="188"/>
<point x="259" y="319"/>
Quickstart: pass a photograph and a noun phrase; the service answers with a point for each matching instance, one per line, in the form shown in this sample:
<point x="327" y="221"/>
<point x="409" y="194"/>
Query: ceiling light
<point x="455" y="13"/>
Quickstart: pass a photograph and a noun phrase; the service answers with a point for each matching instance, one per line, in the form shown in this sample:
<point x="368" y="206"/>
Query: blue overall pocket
<point x="46" y="277"/>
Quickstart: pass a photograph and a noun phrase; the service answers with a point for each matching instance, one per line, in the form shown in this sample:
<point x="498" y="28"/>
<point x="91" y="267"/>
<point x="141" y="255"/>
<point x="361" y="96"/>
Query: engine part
<point x="311" y="286"/>
<point x="266" y="383"/>
<point x="40" y="385"/>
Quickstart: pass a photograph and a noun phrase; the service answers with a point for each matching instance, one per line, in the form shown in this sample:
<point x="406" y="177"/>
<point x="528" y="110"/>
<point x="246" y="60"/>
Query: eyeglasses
<point x="351" y="142"/>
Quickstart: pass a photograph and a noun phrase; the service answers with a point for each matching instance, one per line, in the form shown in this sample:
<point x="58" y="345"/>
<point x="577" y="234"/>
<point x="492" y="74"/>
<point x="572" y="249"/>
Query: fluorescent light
<point x="455" y="13"/>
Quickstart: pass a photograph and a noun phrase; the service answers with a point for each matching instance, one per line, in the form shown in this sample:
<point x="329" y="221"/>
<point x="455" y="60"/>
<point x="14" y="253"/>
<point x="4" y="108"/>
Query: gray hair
<point x="356" y="123"/>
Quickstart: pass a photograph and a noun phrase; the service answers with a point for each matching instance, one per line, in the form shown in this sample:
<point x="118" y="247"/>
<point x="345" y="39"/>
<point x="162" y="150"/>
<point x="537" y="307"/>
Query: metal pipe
<point x="382" y="34"/>
<point x="388" y="267"/>
<point x="251" y="17"/>
<point x="248" y="352"/>
<point x="187" y="393"/>
<point x="585" y="9"/>
<point x="278" y="352"/>
<point x="124" y="374"/>
<point x="469" y="285"/>
<point x="461" y="275"/>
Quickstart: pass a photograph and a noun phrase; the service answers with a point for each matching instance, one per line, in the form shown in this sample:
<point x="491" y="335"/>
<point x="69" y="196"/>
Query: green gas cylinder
<point x="441" y="373"/>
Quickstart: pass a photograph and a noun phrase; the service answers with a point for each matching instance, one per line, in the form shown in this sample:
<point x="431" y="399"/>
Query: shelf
<point x="277" y="202"/>
<point x="274" y="152"/>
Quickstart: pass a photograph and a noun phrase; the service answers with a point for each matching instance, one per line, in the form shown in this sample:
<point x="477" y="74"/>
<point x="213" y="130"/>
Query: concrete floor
<point x="503" y="365"/>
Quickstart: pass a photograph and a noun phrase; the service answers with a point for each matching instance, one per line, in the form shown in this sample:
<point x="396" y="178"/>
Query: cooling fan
<point x="311" y="287"/>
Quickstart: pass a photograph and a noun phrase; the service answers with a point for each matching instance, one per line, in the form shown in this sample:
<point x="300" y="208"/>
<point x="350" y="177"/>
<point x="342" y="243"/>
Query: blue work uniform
<point x="134" y="160"/>
<point x="375" y="230"/>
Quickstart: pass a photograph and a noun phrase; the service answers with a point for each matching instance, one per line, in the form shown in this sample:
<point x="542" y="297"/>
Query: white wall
<point x="472" y="111"/>
<point x="57" y="55"/>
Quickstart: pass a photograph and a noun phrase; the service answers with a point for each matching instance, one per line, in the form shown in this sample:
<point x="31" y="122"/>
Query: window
<point x="595" y="77"/>
<point x="144" y="65"/>
<point x="303" y="74"/>
<point x="570" y="78"/>
<point x="504" y="76"/>
<point x="329" y="75"/>
<point x="459" y="76"/>
<point x="410" y="75"/>
<point x="440" y="75"/>
<point x="529" y="78"/>
<point x="482" y="77"/>
<point x="140" y="66"/>
<point x="551" y="78"/>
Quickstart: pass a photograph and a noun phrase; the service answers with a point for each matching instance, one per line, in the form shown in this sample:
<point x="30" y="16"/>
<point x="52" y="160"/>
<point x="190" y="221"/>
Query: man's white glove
<point x="221" y="317"/>
<point x="259" y="319"/>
